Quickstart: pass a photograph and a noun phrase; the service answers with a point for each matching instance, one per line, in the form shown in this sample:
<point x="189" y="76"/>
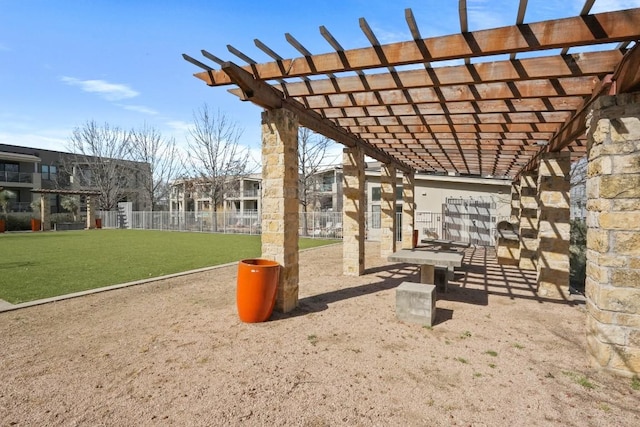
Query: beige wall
<point x="431" y="193"/>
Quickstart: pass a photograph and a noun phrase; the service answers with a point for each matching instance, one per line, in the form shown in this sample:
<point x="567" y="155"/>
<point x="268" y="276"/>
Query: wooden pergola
<point x="45" y="210"/>
<point x="519" y="102"/>
<point x="490" y="119"/>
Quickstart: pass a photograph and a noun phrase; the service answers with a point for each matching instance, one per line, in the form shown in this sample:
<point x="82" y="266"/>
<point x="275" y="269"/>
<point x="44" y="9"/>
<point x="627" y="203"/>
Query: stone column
<point x="613" y="234"/>
<point x="553" y="225"/>
<point x="91" y="212"/>
<point x="45" y="212"/>
<point x="353" y="212"/>
<point x="515" y="203"/>
<point x="280" y="201"/>
<point x="408" y="210"/>
<point x="388" y="210"/>
<point x="528" y="220"/>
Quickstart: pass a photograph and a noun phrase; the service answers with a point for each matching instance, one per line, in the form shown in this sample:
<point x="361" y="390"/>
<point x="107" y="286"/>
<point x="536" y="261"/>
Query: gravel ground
<point x="173" y="352"/>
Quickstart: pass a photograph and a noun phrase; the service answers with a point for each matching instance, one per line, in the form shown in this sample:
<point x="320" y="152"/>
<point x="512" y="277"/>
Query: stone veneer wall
<point x="388" y="210"/>
<point x="613" y="234"/>
<point x="528" y="220"/>
<point x="45" y="212"/>
<point x="91" y="212"/>
<point x="280" y="201"/>
<point x="515" y="203"/>
<point x="554" y="227"/>
<point x="408" y="210"/>
<point x="353" y="215"/>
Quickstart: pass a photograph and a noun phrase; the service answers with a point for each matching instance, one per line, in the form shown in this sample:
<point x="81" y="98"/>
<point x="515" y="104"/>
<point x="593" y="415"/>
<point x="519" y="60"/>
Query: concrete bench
<point x="416" y="303"/>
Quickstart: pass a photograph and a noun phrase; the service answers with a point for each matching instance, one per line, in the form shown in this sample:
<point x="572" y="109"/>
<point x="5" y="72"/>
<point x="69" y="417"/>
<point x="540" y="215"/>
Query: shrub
<point x="18" y="222"/>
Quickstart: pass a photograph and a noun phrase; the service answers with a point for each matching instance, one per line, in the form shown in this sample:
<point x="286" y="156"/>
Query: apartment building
<point x="193" y="195"/>
<point x="23" y="169"/>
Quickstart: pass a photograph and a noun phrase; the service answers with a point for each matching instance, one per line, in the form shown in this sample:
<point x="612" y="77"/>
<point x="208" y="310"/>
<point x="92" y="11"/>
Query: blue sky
<point x="119" y="61"/>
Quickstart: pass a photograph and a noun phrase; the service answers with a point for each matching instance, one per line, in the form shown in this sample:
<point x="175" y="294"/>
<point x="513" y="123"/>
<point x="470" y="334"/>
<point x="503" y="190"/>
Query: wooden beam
<point x="576" y="31"/>
<point x="260" y="93"/>
<point x="522" y="9"/>
<point x="584" y="64"/>
<point x="626" y="78"/>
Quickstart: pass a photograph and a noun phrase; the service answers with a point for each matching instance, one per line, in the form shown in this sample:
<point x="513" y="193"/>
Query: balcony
<point x="16" y="178"/>
<point x="250" y="193"/>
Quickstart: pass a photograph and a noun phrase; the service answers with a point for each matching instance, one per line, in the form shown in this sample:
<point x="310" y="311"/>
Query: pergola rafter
<point x="473" y="118"/>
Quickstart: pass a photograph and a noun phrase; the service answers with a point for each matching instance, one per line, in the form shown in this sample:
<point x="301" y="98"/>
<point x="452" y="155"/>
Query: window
<point x="375" y="194"/>
<point x="375" y="216"/>
<point x="9" y="172"/>
<point x="9" y="167"/>
<point x="49" y="172"/>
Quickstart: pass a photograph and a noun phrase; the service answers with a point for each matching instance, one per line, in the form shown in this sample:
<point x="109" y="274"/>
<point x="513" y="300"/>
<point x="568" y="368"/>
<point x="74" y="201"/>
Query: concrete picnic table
<point x="445" y="244"/>
<point x="428" y="260"/>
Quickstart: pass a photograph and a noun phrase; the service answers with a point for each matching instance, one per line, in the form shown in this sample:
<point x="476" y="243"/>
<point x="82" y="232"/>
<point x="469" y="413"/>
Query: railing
<point x="22" y="177"/>
<point x="20" y="207"/>
<point x="235" y="194"/>
<point x="462" y="227"/>
<point x="313" y="224"/>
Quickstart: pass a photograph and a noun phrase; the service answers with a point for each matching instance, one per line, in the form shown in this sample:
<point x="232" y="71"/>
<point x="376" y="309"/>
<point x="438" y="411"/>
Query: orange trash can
<point x="256" y="289"/>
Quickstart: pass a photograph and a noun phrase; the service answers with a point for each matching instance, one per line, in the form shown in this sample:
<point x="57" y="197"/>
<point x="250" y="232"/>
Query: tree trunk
<point x="305" y="229"/>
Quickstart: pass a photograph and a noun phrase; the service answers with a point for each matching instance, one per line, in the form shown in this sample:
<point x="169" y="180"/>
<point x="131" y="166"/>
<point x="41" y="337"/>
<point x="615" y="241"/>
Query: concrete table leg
<point x="427" y="274"/>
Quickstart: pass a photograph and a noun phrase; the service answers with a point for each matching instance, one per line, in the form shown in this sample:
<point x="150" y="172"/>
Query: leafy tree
<point x="5" y="199"/>
<point x="71" y="204"/>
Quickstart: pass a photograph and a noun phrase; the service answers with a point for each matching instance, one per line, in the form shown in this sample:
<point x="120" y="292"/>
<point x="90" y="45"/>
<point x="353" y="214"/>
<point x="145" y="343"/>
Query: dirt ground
<point x="173" y="352"/>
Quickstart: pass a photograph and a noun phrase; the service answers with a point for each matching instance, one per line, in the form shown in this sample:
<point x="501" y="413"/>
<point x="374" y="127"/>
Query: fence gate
<point x="428" y="224"/>
<point x="468" y="220"/>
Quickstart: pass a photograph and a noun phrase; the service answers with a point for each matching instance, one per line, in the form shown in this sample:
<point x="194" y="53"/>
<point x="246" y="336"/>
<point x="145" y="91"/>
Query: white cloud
<point x="610" y="5"/>
<point x="179" y="125"/>
<point x="45" y="140"/>
<point x="386" y="37"/>
<point x="109" y="91"/>
<point x="4" y="47"/>
<point x="139" y="108"/>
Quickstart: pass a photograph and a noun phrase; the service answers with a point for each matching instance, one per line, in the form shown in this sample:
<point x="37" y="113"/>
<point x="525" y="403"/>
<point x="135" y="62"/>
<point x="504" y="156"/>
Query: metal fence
<point x="312" y="224"/>
<point x="475" y="225"/>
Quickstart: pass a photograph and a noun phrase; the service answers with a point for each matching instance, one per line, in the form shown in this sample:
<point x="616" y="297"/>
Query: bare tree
<point x="215" y="154"/>
<point x="312" y="150"/>
<point x="96" y="162"/>
<point x="161" y="159"/>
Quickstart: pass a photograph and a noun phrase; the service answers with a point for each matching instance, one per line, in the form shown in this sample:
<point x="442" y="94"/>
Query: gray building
<point x="23" y="169"/>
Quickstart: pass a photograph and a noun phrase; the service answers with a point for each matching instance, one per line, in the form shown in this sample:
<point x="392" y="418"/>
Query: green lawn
<point x="41" y="265"/>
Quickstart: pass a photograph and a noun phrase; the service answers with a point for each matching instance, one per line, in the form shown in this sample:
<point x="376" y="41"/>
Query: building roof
<point x="16" y="157"/>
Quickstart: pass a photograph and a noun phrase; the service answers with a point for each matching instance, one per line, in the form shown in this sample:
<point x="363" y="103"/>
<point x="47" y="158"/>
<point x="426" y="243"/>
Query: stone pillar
<point x="613" y="234"/>
<point x="353" y="212"/>
<point x="515" y="203"/>
<point x="45" y="212"/>
<point x="280" y="201"/>
<point x="408" y="210"/>
<point x="91" y="212"/>
<point x="528" y="220"/>
<point x="388" y="210"/>
<point x="554" y="228"/>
